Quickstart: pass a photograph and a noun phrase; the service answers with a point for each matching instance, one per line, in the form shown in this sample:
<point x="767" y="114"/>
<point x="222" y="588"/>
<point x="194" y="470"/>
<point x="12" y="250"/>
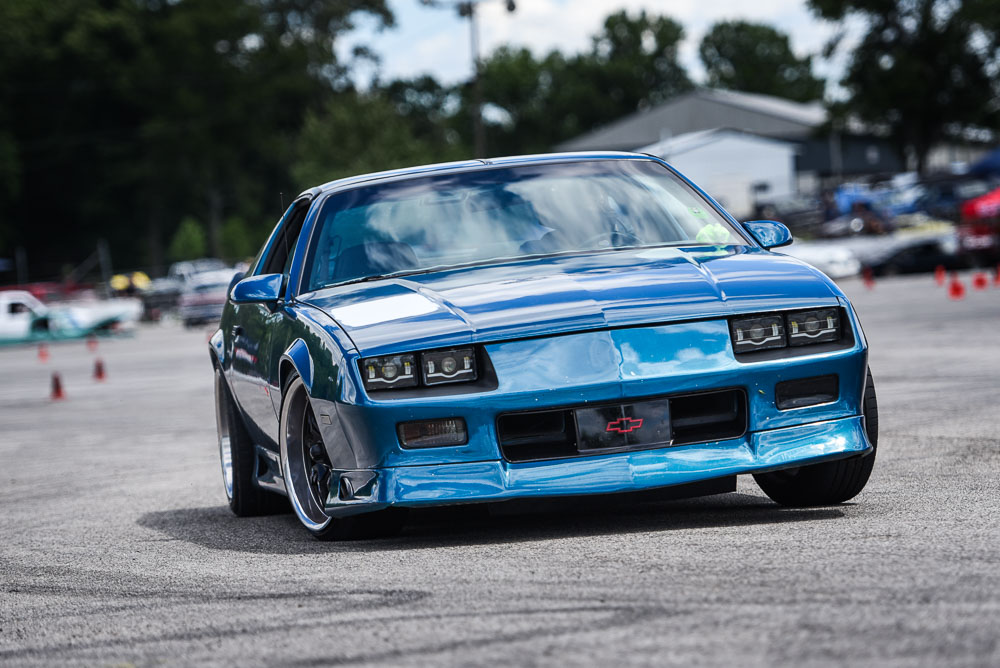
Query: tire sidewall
<point x="293" y="386"/>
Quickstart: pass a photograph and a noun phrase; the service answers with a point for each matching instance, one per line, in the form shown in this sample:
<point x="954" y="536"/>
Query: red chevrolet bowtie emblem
<point x="625" y="425"/>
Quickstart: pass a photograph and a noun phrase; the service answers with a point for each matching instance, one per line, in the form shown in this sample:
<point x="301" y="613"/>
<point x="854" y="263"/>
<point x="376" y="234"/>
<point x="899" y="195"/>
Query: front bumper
<point x="471" y="482"/>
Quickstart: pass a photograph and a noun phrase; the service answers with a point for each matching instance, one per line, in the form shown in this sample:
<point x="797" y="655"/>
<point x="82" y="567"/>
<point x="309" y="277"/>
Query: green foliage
<point x="189" y="241"/>
<point x="756" y="58"/>
<point x="631" y="65"/>
<point x="924" y="70"/>
<point x="355" y="134"/>
<point x="139" y="113"/>
<point x="236" y="241"/>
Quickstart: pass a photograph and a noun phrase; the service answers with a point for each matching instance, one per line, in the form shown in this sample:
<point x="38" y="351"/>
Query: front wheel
<point x="832" y="482"/>
<point x="309" y="474"/>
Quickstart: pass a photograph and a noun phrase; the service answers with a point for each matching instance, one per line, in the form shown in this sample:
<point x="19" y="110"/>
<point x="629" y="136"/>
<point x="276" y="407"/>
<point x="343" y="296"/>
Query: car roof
<point x="466" y="165"/>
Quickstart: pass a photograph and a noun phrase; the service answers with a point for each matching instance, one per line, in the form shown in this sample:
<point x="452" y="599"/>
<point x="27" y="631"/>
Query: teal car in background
<point x="528" y="327"/>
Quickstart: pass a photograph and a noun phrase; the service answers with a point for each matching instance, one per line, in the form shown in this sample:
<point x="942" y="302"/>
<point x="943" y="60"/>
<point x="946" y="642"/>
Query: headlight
<point x="798" y="328"/>
<point x="389" y="372"/>
<point x="819" y="326"/>
<point x="758" y="333"/>
<point x="449" y="366"/>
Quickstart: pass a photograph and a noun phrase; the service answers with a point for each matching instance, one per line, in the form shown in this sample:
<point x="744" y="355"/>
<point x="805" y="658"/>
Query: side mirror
<point x="257" y="289"/>
<point x="768" y="233"/>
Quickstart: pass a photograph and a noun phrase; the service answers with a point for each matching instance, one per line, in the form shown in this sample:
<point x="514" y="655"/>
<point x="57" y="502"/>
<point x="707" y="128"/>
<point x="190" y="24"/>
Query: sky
<point x="435" y="41"/>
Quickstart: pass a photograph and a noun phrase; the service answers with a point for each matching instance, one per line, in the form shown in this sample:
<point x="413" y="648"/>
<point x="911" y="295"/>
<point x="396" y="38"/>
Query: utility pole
<point x="467" y="10"/>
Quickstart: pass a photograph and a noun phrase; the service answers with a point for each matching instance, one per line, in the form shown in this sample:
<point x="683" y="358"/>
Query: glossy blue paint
<point x="257" y="289"/>
<point x="499" y="480"/>
<point x="551" y="295"/>
<point x="559" y="331"/>
<point x="769" y="233"/>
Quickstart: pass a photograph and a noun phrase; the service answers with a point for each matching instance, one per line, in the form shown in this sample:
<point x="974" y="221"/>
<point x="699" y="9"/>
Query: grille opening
<point x="552" y="434"/>
<point x="538" y="435"/>
<point x="708" y="417"/>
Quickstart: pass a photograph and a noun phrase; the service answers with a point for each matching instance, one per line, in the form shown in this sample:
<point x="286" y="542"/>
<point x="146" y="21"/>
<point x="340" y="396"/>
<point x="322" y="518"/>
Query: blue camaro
<point x="531" y="327"/>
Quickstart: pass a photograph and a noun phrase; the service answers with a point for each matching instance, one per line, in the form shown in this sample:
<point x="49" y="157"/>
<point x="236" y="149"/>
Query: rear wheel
<point x="237" y="452"/>
<point x="309" y="474"/>
<point x="832" y="482"/>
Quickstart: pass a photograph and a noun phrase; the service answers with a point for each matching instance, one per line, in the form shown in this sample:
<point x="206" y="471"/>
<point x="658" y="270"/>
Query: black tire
<point x="297" y="427"/>
<point x="832" y="482"/>
<point x="245" y="498"/>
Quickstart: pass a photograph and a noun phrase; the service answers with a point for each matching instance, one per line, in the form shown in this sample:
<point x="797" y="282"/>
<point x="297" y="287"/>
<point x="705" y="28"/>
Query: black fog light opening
<point x="804" y="392"/>
<point x="432" y="433"/>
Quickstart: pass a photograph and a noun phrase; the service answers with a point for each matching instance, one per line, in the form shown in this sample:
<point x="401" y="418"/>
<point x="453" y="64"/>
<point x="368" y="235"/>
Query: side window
<point x="279" y="259"/>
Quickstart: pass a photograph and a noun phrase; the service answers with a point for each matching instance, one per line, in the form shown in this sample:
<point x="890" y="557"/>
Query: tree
<point x="925" y="70"/>
<point x="756" y="58"/>
<point x="538" y="102"/>
<point x="355" y="134"/>
<point x="188" y="242"/>
<point x="139" y="113"/>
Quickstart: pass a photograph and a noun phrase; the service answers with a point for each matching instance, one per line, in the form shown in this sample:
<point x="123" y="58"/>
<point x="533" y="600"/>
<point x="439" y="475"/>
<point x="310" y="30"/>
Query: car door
<point x="252" y="326"/>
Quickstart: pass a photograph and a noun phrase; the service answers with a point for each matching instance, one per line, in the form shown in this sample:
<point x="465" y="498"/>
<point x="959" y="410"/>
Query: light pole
<point x="467" y="9"/>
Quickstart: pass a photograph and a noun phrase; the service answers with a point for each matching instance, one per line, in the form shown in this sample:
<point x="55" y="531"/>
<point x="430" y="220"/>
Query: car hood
<point x="559" y="294"/>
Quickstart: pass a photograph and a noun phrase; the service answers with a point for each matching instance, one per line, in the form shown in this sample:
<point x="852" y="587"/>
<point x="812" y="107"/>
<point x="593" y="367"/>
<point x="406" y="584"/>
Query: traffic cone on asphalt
<point x="868" y="277"/>
<point x="43" y="352"/>
<point x="99" y="374"/>
<point x="956" y="289"/>
<point x="980" y="281"/>
<point x="91" y="343"/>
<point x="57" y="388"/>
<point x="940" y="275"/>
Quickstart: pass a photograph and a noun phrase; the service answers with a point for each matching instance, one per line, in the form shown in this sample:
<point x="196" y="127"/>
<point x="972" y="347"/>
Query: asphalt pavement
<point x="116" y="547"/>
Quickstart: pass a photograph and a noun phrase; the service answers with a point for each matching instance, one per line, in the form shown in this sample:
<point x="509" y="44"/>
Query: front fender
<point x="297" y="354"/>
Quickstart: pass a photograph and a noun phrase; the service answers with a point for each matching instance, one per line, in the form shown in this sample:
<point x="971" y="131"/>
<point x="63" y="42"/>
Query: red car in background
<point x="979" y="230"/>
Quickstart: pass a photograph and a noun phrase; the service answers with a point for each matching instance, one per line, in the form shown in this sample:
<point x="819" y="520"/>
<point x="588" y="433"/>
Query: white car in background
<point x="832" y="258"/>
<point x="23" y="317"/>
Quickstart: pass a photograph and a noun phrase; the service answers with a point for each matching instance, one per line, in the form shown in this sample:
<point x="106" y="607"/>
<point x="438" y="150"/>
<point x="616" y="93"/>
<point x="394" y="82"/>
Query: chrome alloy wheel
<point x="222" y="428"/>
<point x="304" y="462"/>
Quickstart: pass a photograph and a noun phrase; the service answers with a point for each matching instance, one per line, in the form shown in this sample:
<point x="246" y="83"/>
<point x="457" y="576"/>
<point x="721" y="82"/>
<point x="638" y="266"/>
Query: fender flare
<point x="217" y="345"/>
<point x="297" y="355"/>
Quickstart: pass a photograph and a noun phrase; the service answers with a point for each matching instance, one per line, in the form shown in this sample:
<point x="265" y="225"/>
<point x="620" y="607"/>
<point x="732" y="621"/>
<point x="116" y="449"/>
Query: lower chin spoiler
<point x="478" y="482"/>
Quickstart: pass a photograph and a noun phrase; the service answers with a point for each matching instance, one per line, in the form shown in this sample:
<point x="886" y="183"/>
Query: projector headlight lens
<point x="389" y="372"/>
<point x="819" y="326"/>
<point x="449" y="366"/>
<point x="758" y="333"/>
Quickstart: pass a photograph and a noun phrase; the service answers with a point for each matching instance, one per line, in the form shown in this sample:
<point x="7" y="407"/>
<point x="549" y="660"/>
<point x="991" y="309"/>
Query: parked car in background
<point x="803" y="216"/>
<point x="833" y="259"/>
<point x="23" y="317"/>
<point x="163" y="295"/>
<point x="911" y="254"/>
<point x="203" y="297"/>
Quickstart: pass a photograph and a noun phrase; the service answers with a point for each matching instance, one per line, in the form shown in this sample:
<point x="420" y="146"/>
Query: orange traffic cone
<point x="43" y="352"/>
<point x="57" y="388"/>
<point x="868" y="277"/>
<point x="99" y="374"/>
<point x="956" y="289"/>
<point x="940" y="275"/>
<point x="980" y="281"/>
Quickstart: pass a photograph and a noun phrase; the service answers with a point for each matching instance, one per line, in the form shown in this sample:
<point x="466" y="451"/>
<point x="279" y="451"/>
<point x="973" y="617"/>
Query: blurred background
<point x="147" y="147"/>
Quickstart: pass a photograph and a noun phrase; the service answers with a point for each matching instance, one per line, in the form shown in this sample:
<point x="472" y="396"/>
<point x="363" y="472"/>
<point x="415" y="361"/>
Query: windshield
<point x="499" y="214"/>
